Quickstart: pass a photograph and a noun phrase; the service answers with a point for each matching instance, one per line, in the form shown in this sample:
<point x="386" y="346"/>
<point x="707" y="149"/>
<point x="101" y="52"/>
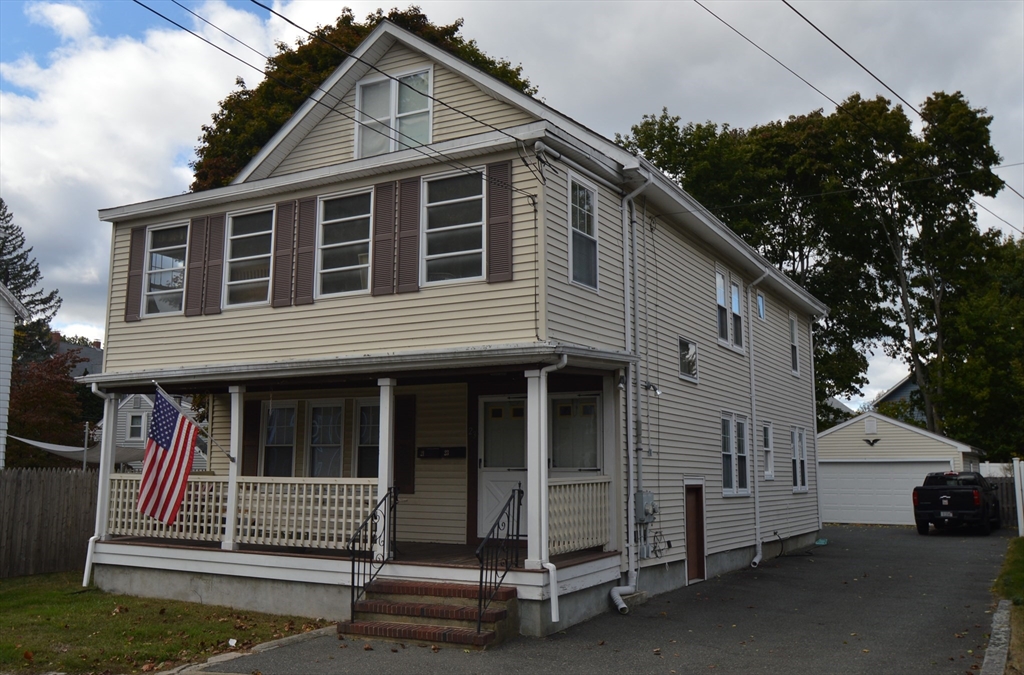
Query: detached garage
<point x="870" y="465"/>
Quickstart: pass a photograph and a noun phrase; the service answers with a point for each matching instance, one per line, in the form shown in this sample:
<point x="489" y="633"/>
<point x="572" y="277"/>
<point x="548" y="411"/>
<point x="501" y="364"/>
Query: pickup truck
<point x="956" y="498"/>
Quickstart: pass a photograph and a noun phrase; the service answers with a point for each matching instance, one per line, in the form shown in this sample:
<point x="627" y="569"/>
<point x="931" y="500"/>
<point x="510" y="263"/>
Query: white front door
<point x="502" y="460"/>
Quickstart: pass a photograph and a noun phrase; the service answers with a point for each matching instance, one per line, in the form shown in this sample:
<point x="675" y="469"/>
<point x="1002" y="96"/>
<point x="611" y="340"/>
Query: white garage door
<point x="872" y="492"/>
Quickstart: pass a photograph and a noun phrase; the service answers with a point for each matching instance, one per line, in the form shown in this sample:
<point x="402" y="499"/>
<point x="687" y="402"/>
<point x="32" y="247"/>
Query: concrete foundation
<point x="322" y="601"/>
<point x="573" y="608"/>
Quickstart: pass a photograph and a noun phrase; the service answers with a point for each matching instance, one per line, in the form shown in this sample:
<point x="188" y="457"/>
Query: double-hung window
<point x="729" y="301"/>
<point x="394" y="113"/>
<point x="345" y="243"/>
<point x="768" y="447"/>
<point x="278" y="441"/>
<point x="250" y="244"/>
<point x="737" y="315"/>
<point x="723" y="309"/>
<point x="735" y="458"/>
<point x="797" y="438"/>
<point x="794" y="352"/>
<point x="583" y="233"/>
<point x="165" y="269"/>
<point x="454" y="228"/>
<point x="367" y="440"/>
<point x="136" y="426"/>
<point x="575" y="433"/>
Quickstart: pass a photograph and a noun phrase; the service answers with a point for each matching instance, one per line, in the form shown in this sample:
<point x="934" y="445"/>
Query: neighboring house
<point x="904" y="392"/>
<point x="517" y="302"/>
<point x="91" y="355"/>
<point x="11" y="311"/>
<point x="134" y="412"/>
<point x="870" y="465"/>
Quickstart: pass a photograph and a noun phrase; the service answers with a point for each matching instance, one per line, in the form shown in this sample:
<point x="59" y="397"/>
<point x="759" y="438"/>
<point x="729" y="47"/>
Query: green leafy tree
<point x="44" y="407"/>
<point x="248" y="118"/>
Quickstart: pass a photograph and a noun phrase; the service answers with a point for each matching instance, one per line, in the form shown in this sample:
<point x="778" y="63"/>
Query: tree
<point x="45" y="407"/>
<point x="20" y="273"/>
<point x="248" y="118"/>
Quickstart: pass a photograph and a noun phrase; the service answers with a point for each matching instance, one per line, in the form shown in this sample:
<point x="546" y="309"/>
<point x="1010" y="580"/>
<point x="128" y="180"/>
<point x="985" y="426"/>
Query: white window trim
<point x="393" y="111"/>
<point x="583" y="182"/>
<point x="366" y="402"/>
<point x="696" y="348"/>
<point x="730" y="343"/>
<point x="307" y="429"/>
<point x="794" y="341"/>
<point x="264" y="416"/>
<point x="227" y="257"/>
<point x="598" y="412"/>
<point x="734" y="420"/>
<point x="319" y="242"/>
<point x="798" y="461"/>
<point x="762" y="307"/>
<point x="184" y="270"/>
<point x="142" y="427"/>
<point x="769" y="450"/>
<point x="423" y="229"/>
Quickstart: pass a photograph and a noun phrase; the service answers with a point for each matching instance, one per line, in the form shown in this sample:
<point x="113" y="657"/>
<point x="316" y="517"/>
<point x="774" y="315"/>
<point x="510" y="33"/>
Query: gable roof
<point x="558" y="131"/>
<point x="15" y="304"/>
<point x="962" y="447"/>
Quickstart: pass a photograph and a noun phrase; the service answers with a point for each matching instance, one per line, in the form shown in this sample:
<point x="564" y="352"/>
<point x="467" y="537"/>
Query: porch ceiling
<point x="366" y="365"/>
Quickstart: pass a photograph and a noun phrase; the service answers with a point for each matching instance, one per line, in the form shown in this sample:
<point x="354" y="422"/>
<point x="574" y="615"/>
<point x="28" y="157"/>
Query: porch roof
<point x="389" y="363"/>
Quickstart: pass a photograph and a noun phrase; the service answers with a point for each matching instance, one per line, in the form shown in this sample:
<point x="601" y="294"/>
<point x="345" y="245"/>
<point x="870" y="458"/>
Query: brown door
<point x="694" y="533"/>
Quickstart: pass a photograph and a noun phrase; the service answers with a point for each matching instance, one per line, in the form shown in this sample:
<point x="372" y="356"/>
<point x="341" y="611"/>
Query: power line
<point x="437" y="153"/>
<point x="997" y="216"/>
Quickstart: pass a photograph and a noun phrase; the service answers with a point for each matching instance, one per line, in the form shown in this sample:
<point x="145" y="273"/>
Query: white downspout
<point x="545" y="563"/>
<point x="753" y="424"/>
<point x="633" y="379"/>
<point x="103" y="493"/>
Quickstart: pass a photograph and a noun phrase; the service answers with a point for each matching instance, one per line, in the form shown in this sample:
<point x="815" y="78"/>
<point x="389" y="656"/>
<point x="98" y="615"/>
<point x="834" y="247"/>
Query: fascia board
<point x="18" y="307"/>
<point x="961" y="447"/>
<point x="460" y="148"/>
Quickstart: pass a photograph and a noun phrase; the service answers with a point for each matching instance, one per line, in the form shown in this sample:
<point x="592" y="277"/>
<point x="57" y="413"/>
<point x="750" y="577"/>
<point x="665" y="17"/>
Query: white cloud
<point x="70" y="22"/>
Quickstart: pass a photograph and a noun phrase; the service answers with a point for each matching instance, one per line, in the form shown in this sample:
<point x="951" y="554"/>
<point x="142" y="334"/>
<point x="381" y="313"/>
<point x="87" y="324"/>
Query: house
<point x="91" y="355"/>
<point x="904" y="395"/>
<point x="134" y="412"/>
<point x="395" y="339"/>
<point x="870" y="465"/>
<point x="11" y="311"/>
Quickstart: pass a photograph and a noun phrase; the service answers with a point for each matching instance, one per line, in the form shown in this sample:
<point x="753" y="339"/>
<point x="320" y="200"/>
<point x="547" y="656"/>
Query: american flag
<point x="169" y="450"/>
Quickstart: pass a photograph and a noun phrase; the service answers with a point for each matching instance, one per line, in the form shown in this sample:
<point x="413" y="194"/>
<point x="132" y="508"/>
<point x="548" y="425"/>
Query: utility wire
<point x="455" y="164"/>
<point x="373" y="66"/>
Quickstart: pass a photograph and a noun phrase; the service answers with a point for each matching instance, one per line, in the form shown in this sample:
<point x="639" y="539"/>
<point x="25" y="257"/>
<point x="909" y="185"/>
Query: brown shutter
<point x="214" y="264"/>
<point x="305" y="254"/>
<point x="284" y="250"/>
<point x="499" y="222"/>
<point x="196" y="267"/>
<point x="251" y="427"/>
<point x="408" y="243"/>
<point x="136" y="269"/>
<point x="405" y="444"/>
<point x="383" y="240"/>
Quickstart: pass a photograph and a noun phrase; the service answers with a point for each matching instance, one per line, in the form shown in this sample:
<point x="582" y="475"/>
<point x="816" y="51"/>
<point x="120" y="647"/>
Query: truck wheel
<point x="922" y="527"/>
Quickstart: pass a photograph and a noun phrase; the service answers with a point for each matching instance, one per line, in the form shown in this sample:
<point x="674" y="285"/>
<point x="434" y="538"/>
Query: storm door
<point x="502" y="463"/>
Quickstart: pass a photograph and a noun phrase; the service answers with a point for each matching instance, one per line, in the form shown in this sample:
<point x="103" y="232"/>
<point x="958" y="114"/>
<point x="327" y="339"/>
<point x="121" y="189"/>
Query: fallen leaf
<point x="367" y="647"/>
<point x="657" y="652"/>
<point x="146" y="667"/>
<point x="394" y="650"/>
<point x="163" y="610"/>
<point x="28" y="656"/>
<point x="600" y="643"/>
<point x="865" y="650"/>
<point x="342" y="646"/>
<point x="435" y="648"/>
<point x="465" y="651"/>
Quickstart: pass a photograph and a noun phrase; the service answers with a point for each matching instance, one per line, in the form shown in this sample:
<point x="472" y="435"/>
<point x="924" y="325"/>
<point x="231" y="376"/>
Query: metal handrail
<point x="372" y="545"/>
<point x="498" y="553"/>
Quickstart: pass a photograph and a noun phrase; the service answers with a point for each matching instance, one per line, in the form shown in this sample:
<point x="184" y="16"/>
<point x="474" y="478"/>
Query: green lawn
<point x="1010" y="585"/>
<point x="50" y="623"/>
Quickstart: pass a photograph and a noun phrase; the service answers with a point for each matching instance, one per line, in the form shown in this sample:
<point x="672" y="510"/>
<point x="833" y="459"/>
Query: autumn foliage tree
<point x="45" y="407"/>
<point x="248" y="118"/>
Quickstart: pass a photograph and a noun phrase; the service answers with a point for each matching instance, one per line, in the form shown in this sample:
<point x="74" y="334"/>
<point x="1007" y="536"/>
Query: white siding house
<point x="11" y="311"/>
<point x="870" y="465"/>
<point x="395" y="339"/>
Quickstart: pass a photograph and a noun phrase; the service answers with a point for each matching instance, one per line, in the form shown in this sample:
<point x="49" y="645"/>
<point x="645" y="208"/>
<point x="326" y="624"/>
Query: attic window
<point x="871" y="426"/>
<point x="394" y="114"/>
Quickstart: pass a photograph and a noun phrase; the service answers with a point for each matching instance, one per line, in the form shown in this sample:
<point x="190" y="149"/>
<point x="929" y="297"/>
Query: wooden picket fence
<point x="46" y="519"/>
<point x="1007" y="500"/>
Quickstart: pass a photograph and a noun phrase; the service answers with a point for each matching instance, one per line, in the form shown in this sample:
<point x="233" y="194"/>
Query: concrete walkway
<point x="873" y="600"/>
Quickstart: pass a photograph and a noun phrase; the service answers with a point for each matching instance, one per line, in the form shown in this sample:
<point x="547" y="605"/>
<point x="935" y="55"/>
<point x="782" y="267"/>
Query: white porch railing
<point x="577" y="513"/>
<point x="303" y="512"/>
<point x="201" y="517"/>
<point x="306" y="512"/>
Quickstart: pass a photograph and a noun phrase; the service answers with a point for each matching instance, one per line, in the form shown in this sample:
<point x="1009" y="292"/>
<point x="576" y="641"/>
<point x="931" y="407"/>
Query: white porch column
<point x="107" y="445"/>
<point x="234" y="468"/>
<point x="385" y="452"/>
<point x="536" y="471"/>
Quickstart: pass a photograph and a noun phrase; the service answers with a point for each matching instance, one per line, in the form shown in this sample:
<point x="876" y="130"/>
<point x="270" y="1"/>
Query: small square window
<point x="136" y="424"/>
<point x="687" y="358"/>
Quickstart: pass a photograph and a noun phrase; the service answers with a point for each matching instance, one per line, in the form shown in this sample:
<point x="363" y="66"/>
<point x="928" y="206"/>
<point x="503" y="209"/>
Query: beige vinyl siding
<point x="578" y="314"/>
<point x="786" y="401"/>
<point x="220" y="431"/>
<point x="436" y="317"/>
<point x="437" y="511"/>
<point x="894" y="442"/>
<point x="332" y="141"/>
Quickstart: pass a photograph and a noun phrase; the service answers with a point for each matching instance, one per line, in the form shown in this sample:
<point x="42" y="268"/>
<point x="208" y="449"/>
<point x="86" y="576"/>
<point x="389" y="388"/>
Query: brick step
<point x="435" y="590"/>
<point x="388" y="630"/>
<point x="421" y="610"/>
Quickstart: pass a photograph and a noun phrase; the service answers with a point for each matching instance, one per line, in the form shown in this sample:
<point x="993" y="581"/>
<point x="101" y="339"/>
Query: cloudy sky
<point x="101" y="102"/>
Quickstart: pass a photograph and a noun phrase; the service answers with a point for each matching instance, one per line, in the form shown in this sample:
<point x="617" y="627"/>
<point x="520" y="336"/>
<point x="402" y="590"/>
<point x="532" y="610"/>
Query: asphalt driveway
<point x="873" y="600"/>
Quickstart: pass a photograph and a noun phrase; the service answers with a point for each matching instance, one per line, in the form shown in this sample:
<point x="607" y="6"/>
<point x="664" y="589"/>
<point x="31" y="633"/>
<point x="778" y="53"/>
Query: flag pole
<point x="170" y="399"/>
